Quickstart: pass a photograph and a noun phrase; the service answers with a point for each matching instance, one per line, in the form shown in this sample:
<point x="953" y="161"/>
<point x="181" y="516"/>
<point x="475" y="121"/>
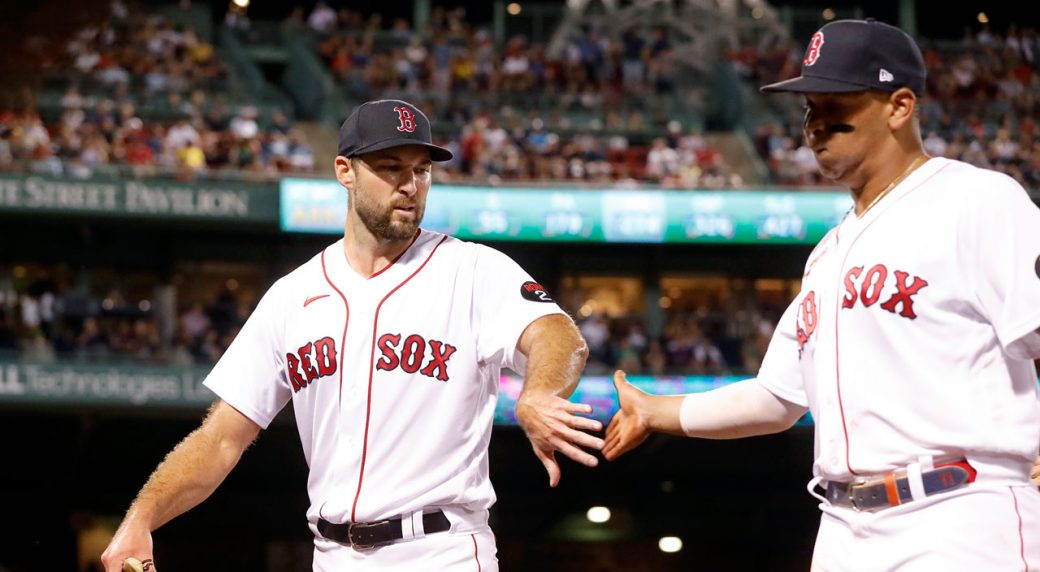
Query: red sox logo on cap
<point x="404" y="115"/>
<point x="813" y="53"/>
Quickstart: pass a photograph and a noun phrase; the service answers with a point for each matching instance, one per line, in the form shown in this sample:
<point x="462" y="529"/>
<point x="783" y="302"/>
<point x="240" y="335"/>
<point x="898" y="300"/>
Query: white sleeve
<point x="506" y="301"/>
<point x="250" y="376"/>
<point x="1000" y="258"/>
<point x="781" y="371"/>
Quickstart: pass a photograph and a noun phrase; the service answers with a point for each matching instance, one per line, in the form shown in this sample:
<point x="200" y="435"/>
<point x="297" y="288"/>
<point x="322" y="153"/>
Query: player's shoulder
<point x="457" y="247"/>
<point x="971" y="184"/>
<point x="305" y="275"/>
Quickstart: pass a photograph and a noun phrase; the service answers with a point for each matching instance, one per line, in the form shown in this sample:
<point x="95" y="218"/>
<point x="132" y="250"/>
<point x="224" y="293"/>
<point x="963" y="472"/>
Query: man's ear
<point x="903" y="104"/>
<point x="345" y="172"/>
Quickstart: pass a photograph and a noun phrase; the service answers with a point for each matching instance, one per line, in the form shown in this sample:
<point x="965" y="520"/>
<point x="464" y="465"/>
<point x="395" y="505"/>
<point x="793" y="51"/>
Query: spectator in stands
<point x="633" y="61"/>
<point x="662" y="161"/>
<point x="322" y="19"/>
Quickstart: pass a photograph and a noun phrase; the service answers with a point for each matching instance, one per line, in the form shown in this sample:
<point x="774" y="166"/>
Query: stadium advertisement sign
<point x="588" y="215"/>
<point x="178" y="387"/>
<point x="173" y="387"/>
<point x="103" y="384"/>
<point x="225" y="201"/>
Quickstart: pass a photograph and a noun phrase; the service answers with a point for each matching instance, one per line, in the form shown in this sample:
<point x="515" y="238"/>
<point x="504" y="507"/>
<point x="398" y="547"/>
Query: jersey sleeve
<point x="1000" y="237"/>
<point x="781" y="371"/>
<point x="506" y="301"/>
<point x="250" y="376"/>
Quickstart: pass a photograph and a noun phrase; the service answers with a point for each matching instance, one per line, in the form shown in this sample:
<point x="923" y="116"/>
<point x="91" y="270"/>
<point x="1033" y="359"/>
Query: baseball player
<point x="911" y="341"/>
<point x="389" y="343"/>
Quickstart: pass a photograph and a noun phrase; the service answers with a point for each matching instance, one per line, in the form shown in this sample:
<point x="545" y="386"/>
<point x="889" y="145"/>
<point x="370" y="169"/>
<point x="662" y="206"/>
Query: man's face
<point x="389" y="190"/>
<point x="842" y="129"/>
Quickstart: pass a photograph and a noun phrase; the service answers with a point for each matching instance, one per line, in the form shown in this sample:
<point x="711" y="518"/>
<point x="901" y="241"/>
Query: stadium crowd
<point x="581" y="116"/>
<point x="44" y="317"/>
<point x="95" y="133"/>
<point x="142" y="93"/>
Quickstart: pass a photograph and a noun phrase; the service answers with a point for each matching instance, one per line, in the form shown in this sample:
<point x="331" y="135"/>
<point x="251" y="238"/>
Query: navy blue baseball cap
<point x="858" y="55"/>
<point x="386" y="123"/>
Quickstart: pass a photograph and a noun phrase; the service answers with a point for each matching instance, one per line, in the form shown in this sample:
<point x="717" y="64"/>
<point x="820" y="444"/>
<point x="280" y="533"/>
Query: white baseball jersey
<point x="393" y="377"/>
<point x="916" y="327"/>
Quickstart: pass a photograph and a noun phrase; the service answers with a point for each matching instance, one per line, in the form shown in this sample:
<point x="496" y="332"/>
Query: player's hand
<point x="630" y="425"/>
<point x="553" y="424"/>
<point x="129" y="541"/>
<point x="1035" y="474"/>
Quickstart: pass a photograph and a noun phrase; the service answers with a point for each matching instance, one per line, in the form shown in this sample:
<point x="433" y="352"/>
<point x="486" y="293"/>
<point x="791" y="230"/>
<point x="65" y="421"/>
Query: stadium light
<point x="598" y="514"/>
<point x="983" y="18"/>
<point x="828" y="14"/>
<point x="670" y="544"/>
<point x="514" y="9"/>
<point x="241" y="3"/>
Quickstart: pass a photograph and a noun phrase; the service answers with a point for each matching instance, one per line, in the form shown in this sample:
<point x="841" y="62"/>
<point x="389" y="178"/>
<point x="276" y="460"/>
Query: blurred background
<point x="161" y="164"/>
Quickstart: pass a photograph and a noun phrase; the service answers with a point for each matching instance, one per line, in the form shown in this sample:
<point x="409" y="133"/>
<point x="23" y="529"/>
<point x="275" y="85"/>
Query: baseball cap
<point x="386" y="123"/>
<point x="857" y="55"/>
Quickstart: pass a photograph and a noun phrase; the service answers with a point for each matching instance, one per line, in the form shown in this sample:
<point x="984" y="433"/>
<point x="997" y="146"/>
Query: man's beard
<point x="379" y="220"/>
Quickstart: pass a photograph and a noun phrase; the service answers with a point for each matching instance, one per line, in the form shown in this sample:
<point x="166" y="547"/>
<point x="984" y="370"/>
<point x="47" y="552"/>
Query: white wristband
<point x="687" y="417"/>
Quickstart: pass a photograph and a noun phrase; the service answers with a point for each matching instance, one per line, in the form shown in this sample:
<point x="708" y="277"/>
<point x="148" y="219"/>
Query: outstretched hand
<point x="130" y="541"/>
<point x="630" y="425"/>
<point x="553" y="424"/>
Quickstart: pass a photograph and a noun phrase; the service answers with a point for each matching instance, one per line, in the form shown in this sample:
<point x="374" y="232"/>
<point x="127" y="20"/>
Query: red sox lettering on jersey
<point x="867" y="289"/>
<point x="806" y="320"/>
<point x="411" y="355"/>
<point x="314" y="360"/>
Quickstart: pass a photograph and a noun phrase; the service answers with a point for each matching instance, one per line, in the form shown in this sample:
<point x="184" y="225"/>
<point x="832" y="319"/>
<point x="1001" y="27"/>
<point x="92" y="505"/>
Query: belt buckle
<point x="359" y="528"/>
<point x="860" y="482"/>
<point x="852" y="497"/>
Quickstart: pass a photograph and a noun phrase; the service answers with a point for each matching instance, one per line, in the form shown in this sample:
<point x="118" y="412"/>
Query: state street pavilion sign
<point x="152" y="198"/>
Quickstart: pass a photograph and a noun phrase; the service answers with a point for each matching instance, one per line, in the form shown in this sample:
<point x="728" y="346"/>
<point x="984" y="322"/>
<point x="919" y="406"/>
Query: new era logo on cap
<point x="377" y="125"/>
<point x="858" y="55"/>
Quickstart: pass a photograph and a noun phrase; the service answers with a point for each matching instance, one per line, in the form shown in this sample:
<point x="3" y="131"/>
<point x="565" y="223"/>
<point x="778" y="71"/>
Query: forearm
<point x="190" y="472"/>
<point x="743" y="409"/>
<point x="556" y="355"/>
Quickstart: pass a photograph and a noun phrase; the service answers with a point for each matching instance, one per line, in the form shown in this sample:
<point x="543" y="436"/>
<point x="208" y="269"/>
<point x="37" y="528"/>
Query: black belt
<point x="364" y="535"/>
<point x="894" y="488"/>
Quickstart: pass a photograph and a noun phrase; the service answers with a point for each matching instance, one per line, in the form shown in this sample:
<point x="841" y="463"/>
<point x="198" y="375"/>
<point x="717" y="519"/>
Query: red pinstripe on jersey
<point x="396" y="258"/>
<point x="371" y="369"/>
<point x="837" y="312"/>
<point x="476" y="553"/>
<point x="1021" y="538"/>
<point x="346" y="322"/>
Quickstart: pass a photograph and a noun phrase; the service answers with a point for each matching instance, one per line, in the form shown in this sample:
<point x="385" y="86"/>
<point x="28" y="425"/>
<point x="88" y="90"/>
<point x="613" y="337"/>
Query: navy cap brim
<point x="438" y="154"/>
<point x="810" y="84"/>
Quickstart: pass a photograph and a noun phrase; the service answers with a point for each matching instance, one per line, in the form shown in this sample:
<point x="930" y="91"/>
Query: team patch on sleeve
<point x="535" y="292"/>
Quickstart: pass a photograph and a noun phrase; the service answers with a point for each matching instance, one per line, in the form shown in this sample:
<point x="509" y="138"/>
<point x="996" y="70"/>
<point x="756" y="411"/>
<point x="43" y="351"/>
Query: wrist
<point x="140" y="515"/>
